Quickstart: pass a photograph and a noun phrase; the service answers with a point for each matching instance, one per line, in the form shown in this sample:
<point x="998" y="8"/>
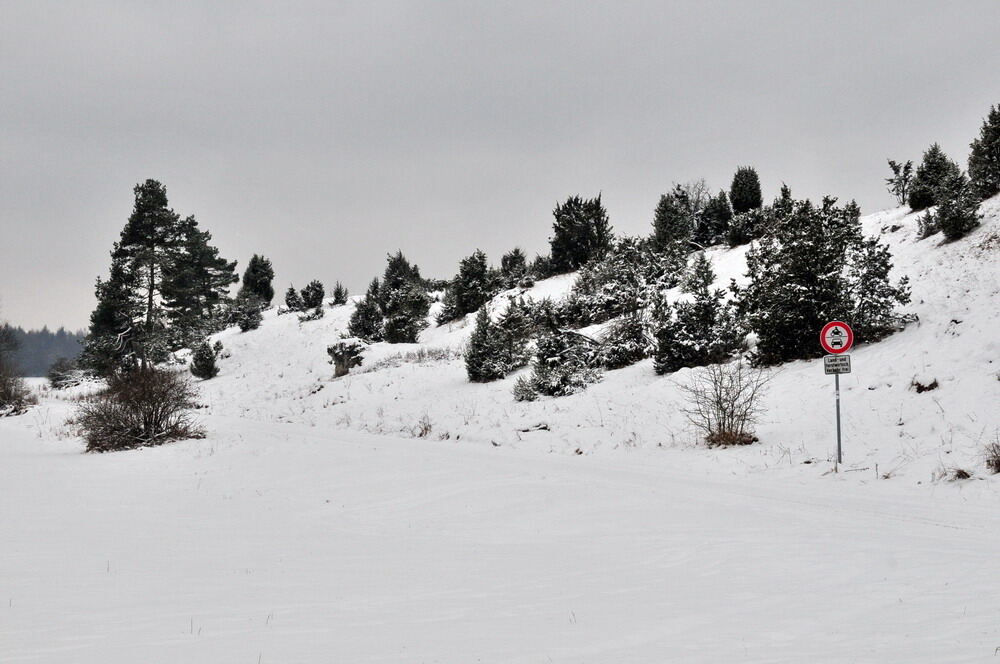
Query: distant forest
<point x="38" y="349"/>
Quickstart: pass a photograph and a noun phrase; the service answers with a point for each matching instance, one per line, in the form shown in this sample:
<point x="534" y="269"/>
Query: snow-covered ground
<point x="591" y="528"/>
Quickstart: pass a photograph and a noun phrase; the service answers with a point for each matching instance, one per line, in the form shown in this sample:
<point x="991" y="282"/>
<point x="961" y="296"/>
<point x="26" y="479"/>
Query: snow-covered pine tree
<point x="107" y="347"/>
<point x="713" y="226"/>
<point x="339" y="294"/>
<point x="196" y="286"/>
<point x="469" y="290"/>
<point x="366" y="319"/>
<point x="484" y="354"/>
<point x="698" y="331"/>
<point x="203" y="362"/>
<point x="744" y="192"/>
<point x="312" y="295"/>
<point x="565" y="363"/>
<point x="131" y="326"/>
<point x="874" y="298"/>
<point x="403" y="301"/>
<point x="673" y="219"/>
<point x="958" y="207"/>
<point x="246" y="312"/>
<point x="257" y="280"/>
<point x="293" y="300"/>
<point x="625" y="342"/>
<point x="581" y="232"/>
<point x="984" y="157"/>
<point x="798" y="279"/>
<point x="933" y="171"/>
<point x="513" y="267"/>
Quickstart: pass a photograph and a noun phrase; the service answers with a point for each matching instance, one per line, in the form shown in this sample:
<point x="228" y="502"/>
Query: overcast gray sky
<point x="326" y="134"/>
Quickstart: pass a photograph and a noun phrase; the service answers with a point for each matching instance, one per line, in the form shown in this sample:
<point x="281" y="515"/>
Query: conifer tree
<point x="874" y="298"/>
<point x="195" y="286"/>
<point x="672" y="222"/>
<point x="203" y="362"/>
<point x="932" y="172"/>
<point x="697" y="332"/>
<point x="257" y="280"/>
<point x="469" y="290"/>
<point x="366" y="320"/>
<point x="130" y="325"/>
<point x="714" y="221"/>
<point x="403" y="301"/>
<point x="339" y="294"/>
<point x="108" y="345"/>
<point x="581" y="232"/>
<point x="246" y="312"/>
<point x="984" y="158"/>
<point x="484" y="353"/>
<point x="513" y="267"/>
<point x="312" y="295"/>
<point x="744" y="192"/>
<point x="957" y="211"/>
<point x="802" y="276"/>
<point x="293" y="300"/>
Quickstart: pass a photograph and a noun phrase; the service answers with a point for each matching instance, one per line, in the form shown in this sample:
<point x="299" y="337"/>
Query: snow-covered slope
<point x="291" y="535"/>
<point x="280" y="373"/>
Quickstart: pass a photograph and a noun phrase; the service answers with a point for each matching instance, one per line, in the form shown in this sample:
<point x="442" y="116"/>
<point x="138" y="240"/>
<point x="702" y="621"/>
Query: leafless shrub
<point x="724" y="402"/>
<point x="993" y="457"/>
<point x="140" y="408"/>
<point x="14" y="394"/>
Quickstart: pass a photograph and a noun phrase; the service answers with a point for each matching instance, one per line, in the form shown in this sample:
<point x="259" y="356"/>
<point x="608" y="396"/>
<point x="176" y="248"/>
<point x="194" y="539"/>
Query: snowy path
<point x="285" y="543"/>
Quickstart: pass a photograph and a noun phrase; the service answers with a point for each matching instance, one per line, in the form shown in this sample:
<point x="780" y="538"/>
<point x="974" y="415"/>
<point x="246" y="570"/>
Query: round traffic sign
<point x="836" y="337"/>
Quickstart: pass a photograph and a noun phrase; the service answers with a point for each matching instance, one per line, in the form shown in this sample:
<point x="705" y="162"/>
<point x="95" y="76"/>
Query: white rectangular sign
<point x="837" y="364"/>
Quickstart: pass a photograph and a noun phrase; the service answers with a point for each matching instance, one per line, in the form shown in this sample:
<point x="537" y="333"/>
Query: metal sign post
<point x="837" y="338"/>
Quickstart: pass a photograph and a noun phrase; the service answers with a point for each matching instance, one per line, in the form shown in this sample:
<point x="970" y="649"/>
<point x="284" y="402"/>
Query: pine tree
<point x="257" y="280"/>
<point x="513" y="268"/>
<point x="714" y="222"/>
<point x="469" y="290"/>
<point x="984" y="158"/>
<point x="195" y="286"/>
<point x="403" y="301"/>
<point x="672" y="222"/>
<point x="339" y="294"/>
<point x="744" y="192"/>
<point x="108" y="345"/>
<point x="697" y="332"/>
<point x="899" y="183"/>
<point x="246" y="312"/>
<point x="581" y="232"/>
<point x="203" y="362"/>
<point x="801" y="278"/>
<point x="128" y="326"/>
<point x="484" y="353"/>
<point x="293" y="300"/>
<point x="625" y="342"/>
<point x="312" y="295"/>
<point x="932" y="172"/>
<point x="873" y="313"/>
<point x="366" y="320"/>
<point x="957" y="211"/>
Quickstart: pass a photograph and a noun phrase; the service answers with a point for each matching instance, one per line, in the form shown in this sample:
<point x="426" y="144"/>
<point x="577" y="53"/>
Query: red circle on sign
<point x="836" y="337"/>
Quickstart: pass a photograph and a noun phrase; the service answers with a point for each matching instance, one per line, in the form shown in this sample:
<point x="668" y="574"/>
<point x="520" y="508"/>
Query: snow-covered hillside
<point x="280" y="373"/>
<point x="470" y="531"/>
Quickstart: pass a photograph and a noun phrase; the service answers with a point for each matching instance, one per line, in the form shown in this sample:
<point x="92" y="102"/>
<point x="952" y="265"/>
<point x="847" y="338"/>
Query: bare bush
<point x="993" y="457"/>
<point x="345" y="354"/>
<point x="140" y="408"/>
<point x="724" y="402"/>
